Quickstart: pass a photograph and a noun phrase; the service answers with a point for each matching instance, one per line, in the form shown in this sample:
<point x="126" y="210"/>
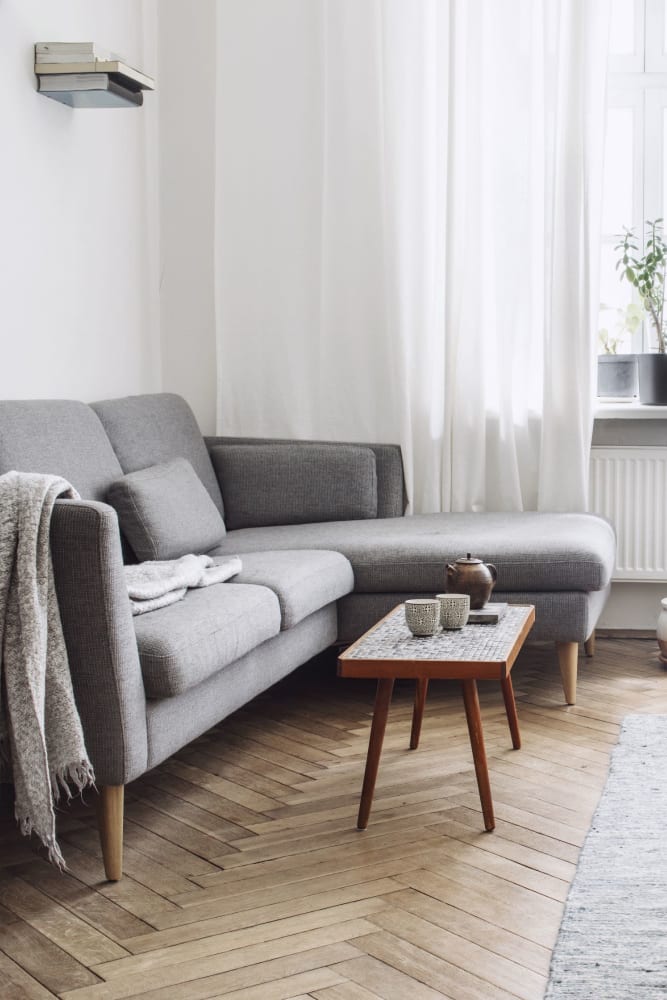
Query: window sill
<point x="633" y="410"/>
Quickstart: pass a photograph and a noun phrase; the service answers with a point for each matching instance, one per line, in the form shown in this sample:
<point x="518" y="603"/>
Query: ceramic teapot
<point x="472" y="576"/>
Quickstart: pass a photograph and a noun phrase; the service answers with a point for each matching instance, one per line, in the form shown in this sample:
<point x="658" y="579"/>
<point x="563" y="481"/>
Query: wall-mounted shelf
<point x="83" y="75"/>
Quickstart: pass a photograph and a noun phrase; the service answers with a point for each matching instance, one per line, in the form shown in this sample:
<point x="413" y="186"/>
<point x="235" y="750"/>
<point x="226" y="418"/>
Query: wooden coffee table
<point x="476" y="652"/>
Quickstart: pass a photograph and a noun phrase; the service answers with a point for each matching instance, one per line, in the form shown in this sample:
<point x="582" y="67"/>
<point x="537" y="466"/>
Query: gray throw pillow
<point x="165" y="511"/>
<point x="295" y="483"/>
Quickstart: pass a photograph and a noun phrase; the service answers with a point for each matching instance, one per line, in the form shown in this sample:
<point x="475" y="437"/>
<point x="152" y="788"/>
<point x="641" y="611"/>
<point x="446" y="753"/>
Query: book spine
<point x="65" y="52"/>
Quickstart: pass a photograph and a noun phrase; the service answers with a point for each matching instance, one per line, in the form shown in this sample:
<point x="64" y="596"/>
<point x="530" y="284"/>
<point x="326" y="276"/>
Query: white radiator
<point x="629" y="487"/>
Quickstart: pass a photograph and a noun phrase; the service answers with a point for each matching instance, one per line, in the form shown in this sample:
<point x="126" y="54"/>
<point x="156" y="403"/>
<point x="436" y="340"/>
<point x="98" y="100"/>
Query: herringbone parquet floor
<point x="247" y="880"/>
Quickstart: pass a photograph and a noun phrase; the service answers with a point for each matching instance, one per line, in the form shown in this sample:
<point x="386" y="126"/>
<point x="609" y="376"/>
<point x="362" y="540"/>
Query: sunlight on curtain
<point x="408" y="224"/>
<point x="525" y="145"/>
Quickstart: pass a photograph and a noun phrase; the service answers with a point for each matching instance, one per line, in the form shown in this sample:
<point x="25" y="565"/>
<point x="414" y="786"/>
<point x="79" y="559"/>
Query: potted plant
<point x="646" y="273"/>
<point x="617" y="373"/>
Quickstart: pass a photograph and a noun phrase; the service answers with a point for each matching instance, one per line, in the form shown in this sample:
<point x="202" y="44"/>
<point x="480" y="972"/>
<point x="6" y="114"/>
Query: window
<point x="635" y="181"/>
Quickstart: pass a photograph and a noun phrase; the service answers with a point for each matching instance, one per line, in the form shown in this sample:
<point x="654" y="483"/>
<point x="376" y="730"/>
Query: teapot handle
<point x="492" y="569"/>
<point x="450" y="568"/>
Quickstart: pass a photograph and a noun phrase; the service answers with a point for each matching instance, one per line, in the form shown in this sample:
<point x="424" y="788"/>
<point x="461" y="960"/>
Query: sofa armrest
<point x="101" y="645"/>
<point x="391" y="493"/>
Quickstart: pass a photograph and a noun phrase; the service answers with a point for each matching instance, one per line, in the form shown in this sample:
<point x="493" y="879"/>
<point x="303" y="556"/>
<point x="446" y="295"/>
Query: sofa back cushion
<point x="297" y="483"/>
<point x="58" y="436"/>
<point x="165" y="512"/>
<point x="392" y="494"/>
<point x="151" y="429"/>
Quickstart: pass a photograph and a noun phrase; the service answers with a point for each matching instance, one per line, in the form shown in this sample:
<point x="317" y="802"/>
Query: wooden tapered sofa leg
<point x="589" y="645"/>
<point x="110" y="824"/>
<point x="568" y="655"/>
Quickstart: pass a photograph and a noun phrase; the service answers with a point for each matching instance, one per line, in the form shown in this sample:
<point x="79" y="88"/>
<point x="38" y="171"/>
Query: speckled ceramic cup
<point x="454" y="610"/>
<point x="422" y="615"/>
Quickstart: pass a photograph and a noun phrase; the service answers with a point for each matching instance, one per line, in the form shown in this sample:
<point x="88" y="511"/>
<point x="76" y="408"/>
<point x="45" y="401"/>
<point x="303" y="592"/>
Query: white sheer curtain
<point x="407" y="235"/>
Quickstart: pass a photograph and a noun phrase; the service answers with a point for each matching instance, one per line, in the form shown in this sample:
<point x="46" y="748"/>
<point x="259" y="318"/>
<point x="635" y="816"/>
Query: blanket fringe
<point x="70" y="778"/>
<point x="81" y="775"/>
<point x="27" y="827"/>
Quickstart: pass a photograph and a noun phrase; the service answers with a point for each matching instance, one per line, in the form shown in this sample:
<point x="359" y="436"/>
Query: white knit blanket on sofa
<point x="153" y="585"/>
<point x="42" y="748"/>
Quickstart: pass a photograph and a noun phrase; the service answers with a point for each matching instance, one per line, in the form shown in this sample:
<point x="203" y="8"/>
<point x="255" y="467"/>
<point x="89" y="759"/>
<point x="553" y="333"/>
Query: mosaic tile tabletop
<point x="393" y="640"/>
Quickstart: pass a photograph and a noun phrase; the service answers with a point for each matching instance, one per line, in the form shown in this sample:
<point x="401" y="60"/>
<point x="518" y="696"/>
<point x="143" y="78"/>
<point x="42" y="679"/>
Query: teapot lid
<point x="469" y="560"/>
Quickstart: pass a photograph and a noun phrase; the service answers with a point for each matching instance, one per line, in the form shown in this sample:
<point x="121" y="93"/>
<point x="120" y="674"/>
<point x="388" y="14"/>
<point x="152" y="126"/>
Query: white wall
<point x="633" y="606"/>
<point x="264" y="76"/>
<point x="273" y="303"/>
<point x="78" y="213"/>
<point x="187" y="59"/>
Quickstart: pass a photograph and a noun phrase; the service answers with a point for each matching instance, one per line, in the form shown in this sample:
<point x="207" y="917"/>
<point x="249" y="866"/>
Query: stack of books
<point x="82" y="74"/>
<point x="490" y="614"/>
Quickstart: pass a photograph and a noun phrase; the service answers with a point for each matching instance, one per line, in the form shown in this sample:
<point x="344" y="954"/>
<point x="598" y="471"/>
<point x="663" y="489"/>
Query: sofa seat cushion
<point x="183" y="644"/>
<point x="303" y="581"/>
<point x="531" y="550"/>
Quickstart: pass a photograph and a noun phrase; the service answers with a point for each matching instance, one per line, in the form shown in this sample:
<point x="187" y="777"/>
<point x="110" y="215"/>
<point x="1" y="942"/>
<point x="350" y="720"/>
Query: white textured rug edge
<point x="612" y="943"/>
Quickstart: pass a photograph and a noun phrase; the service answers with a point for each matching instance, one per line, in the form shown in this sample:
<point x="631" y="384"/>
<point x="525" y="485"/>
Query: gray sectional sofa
<point x="325" y="551"/>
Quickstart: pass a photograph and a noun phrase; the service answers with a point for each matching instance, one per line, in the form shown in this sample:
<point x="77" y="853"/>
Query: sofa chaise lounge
<point x="325" y="549"/>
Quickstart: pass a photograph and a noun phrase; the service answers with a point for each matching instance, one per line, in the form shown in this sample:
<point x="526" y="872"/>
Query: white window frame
<point x="632" y="62"/>
<point x="655" y="53"/>
<point x="639" y="81"/>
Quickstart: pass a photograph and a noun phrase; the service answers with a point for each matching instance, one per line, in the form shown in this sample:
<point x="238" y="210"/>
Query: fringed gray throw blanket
<point x="41" y="741"/>
<point x="153" y="585"/>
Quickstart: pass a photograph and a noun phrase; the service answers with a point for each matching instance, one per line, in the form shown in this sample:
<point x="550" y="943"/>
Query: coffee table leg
<point x="418" y="712"/>
<point x="474" y="719"/>
<point x="510" y="708"/>
<point x="380" y="713"/>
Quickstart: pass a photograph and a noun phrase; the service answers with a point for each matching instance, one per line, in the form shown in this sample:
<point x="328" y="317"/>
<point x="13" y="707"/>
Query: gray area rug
<point x="612" y="943"/>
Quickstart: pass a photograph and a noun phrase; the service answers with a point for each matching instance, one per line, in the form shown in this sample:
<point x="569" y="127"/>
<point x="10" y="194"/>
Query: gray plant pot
<point x="653" y="379"/>
<point x="617" y="375"/>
